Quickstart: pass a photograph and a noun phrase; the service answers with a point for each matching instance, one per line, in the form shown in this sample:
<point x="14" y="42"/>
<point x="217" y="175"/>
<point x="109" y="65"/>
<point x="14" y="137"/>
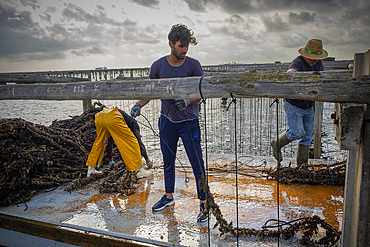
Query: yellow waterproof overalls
<point x="110" y="122"/>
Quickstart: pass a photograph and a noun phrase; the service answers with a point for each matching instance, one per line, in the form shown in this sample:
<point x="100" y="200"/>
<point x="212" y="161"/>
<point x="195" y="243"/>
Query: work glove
<point x="182" y="103"/>
<point x="135" y="110"/>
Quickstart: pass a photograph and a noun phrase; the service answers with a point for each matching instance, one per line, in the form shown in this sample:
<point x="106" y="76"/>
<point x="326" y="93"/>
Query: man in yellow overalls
<point x="113" y="123"/>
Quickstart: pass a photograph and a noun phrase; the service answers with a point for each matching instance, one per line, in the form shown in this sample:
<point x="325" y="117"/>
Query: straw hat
<point x="313" y="50"/>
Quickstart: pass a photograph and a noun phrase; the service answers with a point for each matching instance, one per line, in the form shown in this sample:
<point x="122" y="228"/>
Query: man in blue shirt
<point x="179" y="117"/>
<point x="300" y="113"/>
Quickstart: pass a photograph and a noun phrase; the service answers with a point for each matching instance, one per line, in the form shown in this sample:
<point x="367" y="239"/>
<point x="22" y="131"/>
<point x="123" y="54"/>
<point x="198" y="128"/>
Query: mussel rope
<point x="278" y="167"/>
<point x="206" y="153"/>
<point x="236" y="171"/>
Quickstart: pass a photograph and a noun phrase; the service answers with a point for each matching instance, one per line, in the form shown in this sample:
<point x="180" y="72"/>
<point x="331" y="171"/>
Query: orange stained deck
<point x="132" y="215"/>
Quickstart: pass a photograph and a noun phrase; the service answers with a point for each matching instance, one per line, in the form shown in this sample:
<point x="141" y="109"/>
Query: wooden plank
<point x="70" y="234"/>
<point x="32" y="78"/>
<point x="302" y="85"/>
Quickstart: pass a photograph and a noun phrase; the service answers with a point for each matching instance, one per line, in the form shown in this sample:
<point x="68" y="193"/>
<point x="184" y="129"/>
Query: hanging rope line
<point x="278" y="167"/>
<point x="206" y="154"/>
<point x="236" y="170"/>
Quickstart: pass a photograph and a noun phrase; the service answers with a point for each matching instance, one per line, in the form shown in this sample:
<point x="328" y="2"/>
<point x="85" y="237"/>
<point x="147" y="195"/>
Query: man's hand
<point x="135" y="110"/>
<point x="182" y="103"/>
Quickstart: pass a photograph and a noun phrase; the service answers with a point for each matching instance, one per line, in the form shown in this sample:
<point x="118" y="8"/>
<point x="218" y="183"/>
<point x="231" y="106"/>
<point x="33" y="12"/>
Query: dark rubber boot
<point x="283" y="140"/>
<point x="302" y="155"/>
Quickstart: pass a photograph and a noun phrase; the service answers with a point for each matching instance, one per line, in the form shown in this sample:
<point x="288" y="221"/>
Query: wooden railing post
<point x="87" y="104"/>
<point x="356" y="208"/>
<point x="318" y="126"/>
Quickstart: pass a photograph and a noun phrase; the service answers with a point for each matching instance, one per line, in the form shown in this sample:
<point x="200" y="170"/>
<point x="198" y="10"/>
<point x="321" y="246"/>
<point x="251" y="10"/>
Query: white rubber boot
<point x="143" y="173"/>
<point x="91" y="170"/>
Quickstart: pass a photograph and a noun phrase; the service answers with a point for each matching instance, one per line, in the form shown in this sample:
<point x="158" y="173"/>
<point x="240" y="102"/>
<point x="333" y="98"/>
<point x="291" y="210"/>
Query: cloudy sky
<point x="42" y="35"/>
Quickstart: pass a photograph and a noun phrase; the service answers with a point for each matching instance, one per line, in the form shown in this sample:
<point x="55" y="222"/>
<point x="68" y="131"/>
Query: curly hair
<point x="180" y="32"/>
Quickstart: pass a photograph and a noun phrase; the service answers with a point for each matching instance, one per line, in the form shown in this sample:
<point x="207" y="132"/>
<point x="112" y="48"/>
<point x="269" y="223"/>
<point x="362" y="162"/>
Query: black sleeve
<point x="130" y="121"/>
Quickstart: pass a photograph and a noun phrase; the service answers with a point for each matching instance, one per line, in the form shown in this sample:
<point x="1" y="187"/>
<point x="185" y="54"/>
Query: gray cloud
<point x="93" y="50"/>
<point x="33" y="3"/>
<point x="293" y="41"/>
<point x="21" y="35"/>
<point x="78" y="31"/>
<point x="147" y="3"/>
<point x="302" y="18"/>
<point x="197" y="6"/>
<point x="275" y="23"/>
<point x="252" y="6"/>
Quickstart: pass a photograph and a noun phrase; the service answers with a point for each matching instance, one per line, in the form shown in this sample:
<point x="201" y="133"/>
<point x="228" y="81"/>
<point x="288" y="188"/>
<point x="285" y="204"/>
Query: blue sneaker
<point x="164" y="202"/>
<point x="203" y="214"/>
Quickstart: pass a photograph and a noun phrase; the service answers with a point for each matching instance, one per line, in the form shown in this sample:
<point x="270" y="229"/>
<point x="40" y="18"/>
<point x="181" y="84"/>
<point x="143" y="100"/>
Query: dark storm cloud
<point x="302" y="18"/>
<point x="73" y="12"/>
<point x="235" y="6"/>
<point x="21" y="35"/>
<point x="253" y="6"/>
<point x="275" y="23"/>
<point x="147" y="3"/>
<point x="78" y="31"/>
<point x="33" y="3"/>
<point x="234" y="26"/>
<point x="197" y="6"/>
<point x="102" y="29"/>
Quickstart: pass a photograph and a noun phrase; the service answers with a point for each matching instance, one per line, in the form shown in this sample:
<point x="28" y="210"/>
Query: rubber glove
<point x="135" y="110"/>
<point x="182" y="103"/>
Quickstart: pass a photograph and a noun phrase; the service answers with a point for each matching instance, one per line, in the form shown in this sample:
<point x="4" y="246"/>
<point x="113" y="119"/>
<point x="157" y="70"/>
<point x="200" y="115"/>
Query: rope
<point x="278" y="167"/>
<point x="200" y="89"/>
<point x="236" y="172"/>
<point x="205" y="140"/>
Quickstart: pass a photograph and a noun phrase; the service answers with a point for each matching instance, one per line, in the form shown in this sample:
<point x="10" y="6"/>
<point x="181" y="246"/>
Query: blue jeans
<point x="300" y="123"/>
<point x="189" y="132"/>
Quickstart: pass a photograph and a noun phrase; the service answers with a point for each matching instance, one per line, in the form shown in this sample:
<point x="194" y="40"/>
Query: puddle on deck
<point x="257" y="200"/>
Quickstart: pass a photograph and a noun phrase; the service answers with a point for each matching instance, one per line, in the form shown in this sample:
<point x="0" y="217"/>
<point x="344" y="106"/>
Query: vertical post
<point x="349" y="196"/>
<point x="87" y="104"/>
<point x="361" y="208"/>
<point x="317" y="126"/>
<point x="356" y="218"/>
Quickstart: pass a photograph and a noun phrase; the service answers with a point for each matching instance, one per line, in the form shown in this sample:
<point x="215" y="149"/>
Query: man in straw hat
<point x="300" y="113"/>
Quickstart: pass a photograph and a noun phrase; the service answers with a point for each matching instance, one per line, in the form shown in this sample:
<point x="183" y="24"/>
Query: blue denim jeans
<point x="189" y="132"/>
<point x="300" y="123"/>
